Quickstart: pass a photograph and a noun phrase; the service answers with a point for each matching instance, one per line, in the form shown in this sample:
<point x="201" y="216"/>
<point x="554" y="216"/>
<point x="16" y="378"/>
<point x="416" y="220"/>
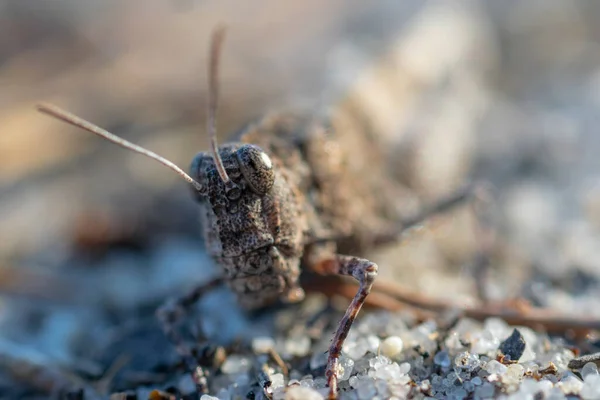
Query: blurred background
<point x="90" y="234"/>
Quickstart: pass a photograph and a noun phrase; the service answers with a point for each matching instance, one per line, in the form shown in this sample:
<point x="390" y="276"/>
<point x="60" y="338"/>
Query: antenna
<point x="74" y="120"/>
<point x="216" y="42"/>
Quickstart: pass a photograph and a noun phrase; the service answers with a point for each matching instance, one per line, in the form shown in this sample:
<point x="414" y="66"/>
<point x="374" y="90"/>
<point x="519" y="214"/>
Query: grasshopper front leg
<point x="171" y="313"/>
<point x="364" y="271"/>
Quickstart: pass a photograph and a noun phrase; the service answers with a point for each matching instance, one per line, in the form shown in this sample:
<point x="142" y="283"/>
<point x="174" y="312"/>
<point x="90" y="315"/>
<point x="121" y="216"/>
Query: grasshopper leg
<point x="170" y="315"/>
<point x="364" y="271"/>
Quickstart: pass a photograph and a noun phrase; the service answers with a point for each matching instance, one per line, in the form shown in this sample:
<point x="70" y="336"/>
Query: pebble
<point x="262" y="344"/>
<point x="457" y="393"/>
<point x="485" y="343"/>
<point x="442" y="359"/>
<point x="277" y="381"/>
<point x="392" y="346"/>
<point x="467" y="361"/>
<point x="514" y="373"/>
<point x="320" y="382"/>
<point x="358" y="348"/>
<point x="591" y="388"/>
<point x="514" y="346"/>
<point x="382" y="388"/>
<point x="236" y="364"/>
<point x="379" y="361"/>
<point x="494" y="367"/>
<point x="298" y="346"/>
<point x="496" y="326"/>
<point x="389" y="372"/>
<point x="570" y="385"/>
<point x="485" y="391"/>
<point x="346" y="367"/>
<point x="469" y="386"/>
<point x="404" y="368"/>
<point x="589" y="369"/>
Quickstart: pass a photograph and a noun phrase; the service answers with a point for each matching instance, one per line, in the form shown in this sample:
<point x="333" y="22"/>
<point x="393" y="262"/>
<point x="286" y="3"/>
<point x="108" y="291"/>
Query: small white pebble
<point x="453" y="343"/>
<point x="497" y="326"/>
<point x="530" y="387"/>
<point x="379" y="361"/>
<point x="494" y="367"/>
<point x="235" y="364"/>
<point x="277" y="381"/>
<point x="262" y="344"/>
<point x="307" y="382"/>
<point x="545" y="385"/>
<point x="570" y="385"/>
<point x="373" y="343"/>
<point x="346" y="366"/>
<point x="485" y="343"/>
<point x="404" y="368"/>
<point x="467" y="361"/>
<point x="390" y="372"/>
<point x="589" y="369"/>
<point x="514" y="373"/>
<point x="392" y="346"/>
<point x="298" y="346"/>
<point x="302" y="393"/>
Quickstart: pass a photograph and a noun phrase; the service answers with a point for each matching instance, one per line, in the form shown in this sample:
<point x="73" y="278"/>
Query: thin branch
<point x="391" y="296"/>
<point x="550" y="320"/>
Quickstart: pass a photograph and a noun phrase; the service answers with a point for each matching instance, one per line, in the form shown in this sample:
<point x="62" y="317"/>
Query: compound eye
<point x="256" y="167"/>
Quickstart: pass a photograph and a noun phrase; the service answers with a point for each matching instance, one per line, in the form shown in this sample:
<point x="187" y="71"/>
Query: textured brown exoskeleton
<point x="289" y="192"/>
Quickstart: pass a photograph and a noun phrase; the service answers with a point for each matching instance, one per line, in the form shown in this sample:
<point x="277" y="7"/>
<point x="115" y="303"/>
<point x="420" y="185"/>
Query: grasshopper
<point x="289" y="194"/>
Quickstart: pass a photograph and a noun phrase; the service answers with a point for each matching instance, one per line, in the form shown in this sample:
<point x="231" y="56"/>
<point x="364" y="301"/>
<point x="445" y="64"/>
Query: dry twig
<point x="393" y="297"/>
